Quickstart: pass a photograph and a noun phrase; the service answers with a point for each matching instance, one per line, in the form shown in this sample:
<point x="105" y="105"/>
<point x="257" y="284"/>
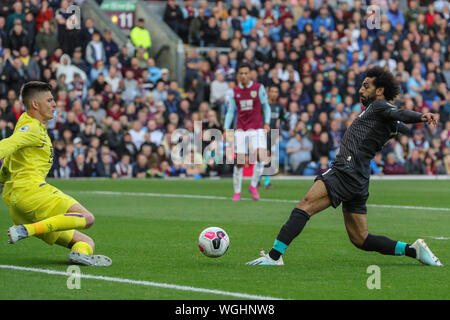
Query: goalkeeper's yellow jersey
<point x="27" y="155"/>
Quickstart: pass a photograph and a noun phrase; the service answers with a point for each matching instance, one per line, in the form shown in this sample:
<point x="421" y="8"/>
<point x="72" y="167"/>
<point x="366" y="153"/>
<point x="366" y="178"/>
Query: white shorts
<point x="250" y="140"/>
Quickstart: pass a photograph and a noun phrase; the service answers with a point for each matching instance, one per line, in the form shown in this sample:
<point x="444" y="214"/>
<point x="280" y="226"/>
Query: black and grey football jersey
<point x="369" y="132"/>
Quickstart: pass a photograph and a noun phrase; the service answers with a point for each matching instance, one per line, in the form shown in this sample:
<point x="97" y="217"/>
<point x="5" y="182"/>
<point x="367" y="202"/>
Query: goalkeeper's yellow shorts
<point x="36" y="202"/>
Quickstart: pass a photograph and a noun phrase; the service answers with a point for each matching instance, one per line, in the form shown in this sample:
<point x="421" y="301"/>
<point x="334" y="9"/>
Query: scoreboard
<point x="121" y="13"/>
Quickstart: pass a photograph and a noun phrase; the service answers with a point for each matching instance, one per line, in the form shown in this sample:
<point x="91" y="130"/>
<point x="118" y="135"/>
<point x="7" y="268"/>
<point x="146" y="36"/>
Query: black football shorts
<point x="345" y="185"/>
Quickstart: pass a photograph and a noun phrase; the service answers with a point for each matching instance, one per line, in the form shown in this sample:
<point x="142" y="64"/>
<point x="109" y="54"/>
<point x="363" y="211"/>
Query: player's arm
<point x="229" y="117"/>
<point x="25" y="136"/>
<point x="5" y="174"/>
<point x="402" y="128"/>
<point x="265" y="106"/>
<point x="390" y="112"/>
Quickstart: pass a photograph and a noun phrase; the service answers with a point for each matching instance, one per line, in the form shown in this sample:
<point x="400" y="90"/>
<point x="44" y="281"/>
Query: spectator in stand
<point x="110" y="46"/>
<point x="324" y="18"/>
<point x="211" y="33"/>
<point x="95" y="111"/>
<point x="304" y="19"/>
<point x="18" y="37"/>
<point x="137" y="134"/>
<point x="130" y="86"/>
<point x="284" y="11"/>
<point x="115" y="136"/>
<point x="394" y="15"/>
<point x="154" y="71"/>
<point x="69" y="70"/>
<point x="99" y="84"/>
<point x="323" y="165"/>
<point x="79" y="167"/>
<point x="288" y="29"/>
<point x="140" y="167"/>
<point x="159" y="92"/>
<point x="299" y="149"/>
<point x="95" y="50"/>
<point x="247" y="21"/>
<point x="123" y="168"/>
<point x="194" y="164"/>
<point x="155" y="135"/>
<point x="29" y="63"/>
<point x="105" y="167"/>
<point x="430" y="165"/>
<point x="377" y="164"/>
<point x="418" y="141"/>
<point x="18" y="14"/>
<point x="392" y="166"/>
<point x="14" y="74"/>
<point x="173" y="16"/>
<point x="62" y="169"/>
<point x="415" y="165"/>
<point x="219" y="89"/>
<point x="45" y="13"/>
<point x="321" y="147"/>
<point x="171" y="102"/>
<point x="415" y="84"/>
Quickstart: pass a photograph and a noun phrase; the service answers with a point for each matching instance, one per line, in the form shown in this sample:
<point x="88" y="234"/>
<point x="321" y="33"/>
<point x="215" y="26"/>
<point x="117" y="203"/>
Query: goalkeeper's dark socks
<point x="288" y="232"/>
<point x="387" y="246"/>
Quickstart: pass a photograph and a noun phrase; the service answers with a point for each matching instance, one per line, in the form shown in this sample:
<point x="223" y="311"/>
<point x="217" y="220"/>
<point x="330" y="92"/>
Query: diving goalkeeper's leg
<point x="77" y="217"/>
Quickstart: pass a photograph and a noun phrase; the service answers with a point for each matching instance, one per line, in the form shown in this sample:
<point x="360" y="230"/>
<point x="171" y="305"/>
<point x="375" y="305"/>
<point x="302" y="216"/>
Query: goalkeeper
<point x="37" y="208"/>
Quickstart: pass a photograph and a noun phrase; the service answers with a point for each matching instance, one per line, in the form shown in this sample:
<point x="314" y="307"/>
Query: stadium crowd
<point x="118" y="111"/>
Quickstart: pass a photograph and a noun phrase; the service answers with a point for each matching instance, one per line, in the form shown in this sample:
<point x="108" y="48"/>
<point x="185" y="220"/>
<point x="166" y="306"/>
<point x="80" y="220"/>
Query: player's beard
<point x="366" y="101"/>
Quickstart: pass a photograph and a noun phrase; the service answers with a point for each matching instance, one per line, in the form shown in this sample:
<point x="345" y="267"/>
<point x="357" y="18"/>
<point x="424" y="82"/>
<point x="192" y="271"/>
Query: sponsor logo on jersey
<point x="246" y="104"/>
<point x="24" y="128"/>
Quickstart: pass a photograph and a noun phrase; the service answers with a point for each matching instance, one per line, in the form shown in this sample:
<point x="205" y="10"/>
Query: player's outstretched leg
<point x="82" y="252"/>
<point x="356" y="225"/>
<point x="314" y="201"/>
<point x="77" y="217"/>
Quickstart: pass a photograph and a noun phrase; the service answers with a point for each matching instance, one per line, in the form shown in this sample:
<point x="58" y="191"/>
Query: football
<point x="213" y="242"/>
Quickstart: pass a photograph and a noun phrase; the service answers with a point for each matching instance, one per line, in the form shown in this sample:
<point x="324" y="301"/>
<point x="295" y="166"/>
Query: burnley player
<point x="253" y="118"/>
<point x="347" y="181"/>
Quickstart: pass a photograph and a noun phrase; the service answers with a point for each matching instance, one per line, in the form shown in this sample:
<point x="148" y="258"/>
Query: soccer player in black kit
<point x="347" y="181"/>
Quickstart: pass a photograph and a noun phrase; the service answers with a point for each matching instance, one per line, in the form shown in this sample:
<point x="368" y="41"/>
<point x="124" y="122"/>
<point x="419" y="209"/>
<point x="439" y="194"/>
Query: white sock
<point x="258" y="169"/>
<point x="237" y="178"/>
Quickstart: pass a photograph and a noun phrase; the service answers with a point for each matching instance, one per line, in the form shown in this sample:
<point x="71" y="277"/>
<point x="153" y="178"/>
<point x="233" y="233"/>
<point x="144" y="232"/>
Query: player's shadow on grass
<point x="393" y="264"/>
<point x="34" y="262"/>
<point x="409" y="265"/>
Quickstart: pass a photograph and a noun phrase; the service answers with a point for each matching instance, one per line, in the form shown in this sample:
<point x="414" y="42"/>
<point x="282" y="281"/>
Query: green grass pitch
<point x="154" y="238"/>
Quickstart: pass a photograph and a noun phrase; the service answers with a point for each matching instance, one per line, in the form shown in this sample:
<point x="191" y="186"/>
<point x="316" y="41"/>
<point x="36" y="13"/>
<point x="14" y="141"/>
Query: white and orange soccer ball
<point x="213" y="242"/>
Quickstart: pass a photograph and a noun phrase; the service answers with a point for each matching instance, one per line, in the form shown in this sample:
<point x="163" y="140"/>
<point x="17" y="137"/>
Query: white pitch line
<point x="437" y="238"/>
<point x="142" y="283"/>
<point x="192" y="196"/>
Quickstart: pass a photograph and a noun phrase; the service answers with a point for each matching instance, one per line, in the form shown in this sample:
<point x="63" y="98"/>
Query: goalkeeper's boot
<point x="16" y="233"/>
<point x="96" y="260"/>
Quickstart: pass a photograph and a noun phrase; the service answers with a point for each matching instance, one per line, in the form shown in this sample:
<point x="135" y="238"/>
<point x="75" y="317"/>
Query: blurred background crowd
<point x="118" y="111"/>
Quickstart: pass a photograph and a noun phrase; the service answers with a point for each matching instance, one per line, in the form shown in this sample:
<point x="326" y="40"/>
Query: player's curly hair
<point x="384" y="79"/>
<point x="31" y="89"/>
